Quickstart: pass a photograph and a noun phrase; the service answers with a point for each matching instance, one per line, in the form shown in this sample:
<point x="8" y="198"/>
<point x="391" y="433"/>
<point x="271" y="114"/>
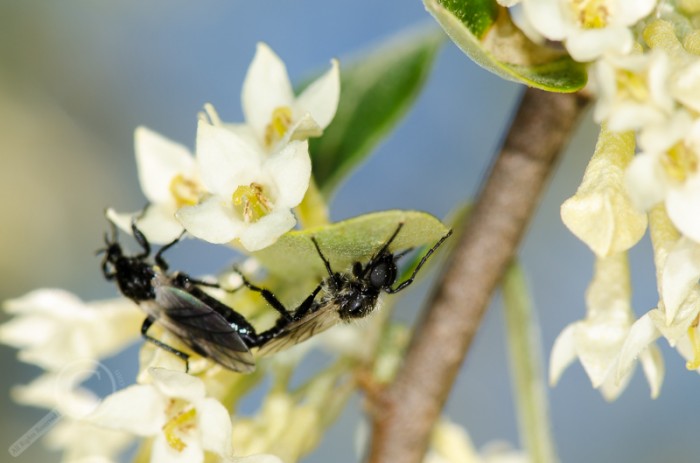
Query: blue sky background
<point x="76" y="78"/>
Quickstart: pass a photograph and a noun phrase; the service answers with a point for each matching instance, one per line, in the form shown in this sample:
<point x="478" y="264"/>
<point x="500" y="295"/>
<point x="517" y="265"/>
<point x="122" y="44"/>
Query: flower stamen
<point x="181" y="422"/>
<point x="591" y="14"/>
<point x="279" y="124"/>
<point x="250" y="201"/>
<point x="185" y="191"/>
<point x="680" y="162"/>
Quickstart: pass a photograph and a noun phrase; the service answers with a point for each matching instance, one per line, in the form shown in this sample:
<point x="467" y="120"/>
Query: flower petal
<point x="265" y="88"/>
<point x="680" y="274"/>
<point x="641" y="334"/>
<point x="320" y="99"/>
<point x="683" y="204"/>
<point x="177" y="384"/>
<point x="267" y="229"/>
<point x="157" y="222"/>
<point x="653" y="365"/>
<point x="226" y="159"/>
<point x="213" y="221"/>
<point x="645" y="181"/>
<point x="139" y="409"/>
<point x="563" y="353"/>
<point x="214" y="422"/>
<point x="159" y="160"/>
<point x="291" y="172"/>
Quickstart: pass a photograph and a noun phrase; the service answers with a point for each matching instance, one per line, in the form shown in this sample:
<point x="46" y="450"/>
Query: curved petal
<point x="139" y="409"/>
<point x="563" y="353"/>
<point x="680" y="274"/>
<point x="172" y="383"/>
<point x="653" y="365"/>
<point x="546" y="17"/>
<point x="226" y="160"/>
<point x="320" y="99"/>
<point x="290" y="170"/>
<point x="304" y="127"/>
<point x="159" y="160"/>
<point x="214" y="422"/>
<point x="267" y="230"/>
<point x="213" y="221"/>
<point x="682" y="205"/>
<point x="588" y="44"/>
<point x="265" y="88"/>
<point x="645" y="181"/>
<point x="158" y="222"/>
<point x="641" y="334"/>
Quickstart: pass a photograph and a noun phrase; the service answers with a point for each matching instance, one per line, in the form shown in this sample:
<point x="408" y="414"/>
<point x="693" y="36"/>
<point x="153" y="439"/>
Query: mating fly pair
<point x="214" y="330"/>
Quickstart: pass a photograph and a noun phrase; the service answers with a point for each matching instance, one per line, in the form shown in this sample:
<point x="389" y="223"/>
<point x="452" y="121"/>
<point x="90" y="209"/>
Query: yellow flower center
<point x="680" y="162"/>
<point x="250" y="201"/>
<point x="179" y="424"/>
<point x="591" y="14"/>
<point x="694" y="364"/>
<point x="185" y="191"/>
<point x="631" y="86"/>
<point x="279" y="123"/>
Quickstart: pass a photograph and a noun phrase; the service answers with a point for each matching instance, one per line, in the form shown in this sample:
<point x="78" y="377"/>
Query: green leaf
<point x="485" y="32"/>
<point x="293" y="257"/>
<point x="376" y="91"/>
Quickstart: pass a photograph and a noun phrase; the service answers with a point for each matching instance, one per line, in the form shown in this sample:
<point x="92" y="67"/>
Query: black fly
<point x="344" y="297"/>
<point x="177" y="302"/>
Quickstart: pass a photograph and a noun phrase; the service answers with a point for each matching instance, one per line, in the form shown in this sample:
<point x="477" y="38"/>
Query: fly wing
<point x="300" y="330"/>
<point x="203" y="329"/>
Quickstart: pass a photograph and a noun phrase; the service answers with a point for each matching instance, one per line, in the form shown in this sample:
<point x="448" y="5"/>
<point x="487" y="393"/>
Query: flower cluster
<point x="644" y="64"/>
<point x="244" y="179"/>
<point x="239" y="188"/>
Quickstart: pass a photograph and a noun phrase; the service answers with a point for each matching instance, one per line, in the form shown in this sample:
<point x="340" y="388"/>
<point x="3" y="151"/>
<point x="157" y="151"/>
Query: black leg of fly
<point x="166" y="347"/>
<point x="423" y="260"/>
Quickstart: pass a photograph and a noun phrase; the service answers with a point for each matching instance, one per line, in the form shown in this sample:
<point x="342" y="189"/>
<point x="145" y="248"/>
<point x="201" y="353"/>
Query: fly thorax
<point x="356" y="300"/>
<point x="135" y="279"/>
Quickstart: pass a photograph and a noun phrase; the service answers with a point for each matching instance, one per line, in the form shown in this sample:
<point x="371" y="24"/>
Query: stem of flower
<point x="404" y="413"/>
<point x="525" y="355"/>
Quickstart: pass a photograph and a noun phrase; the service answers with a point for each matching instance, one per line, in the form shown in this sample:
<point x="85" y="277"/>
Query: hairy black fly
<point x="177" y="302"/>
<point x="344" y="297"/>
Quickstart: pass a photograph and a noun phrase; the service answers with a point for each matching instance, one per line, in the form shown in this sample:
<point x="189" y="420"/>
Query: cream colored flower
<point x="252" y="194"/>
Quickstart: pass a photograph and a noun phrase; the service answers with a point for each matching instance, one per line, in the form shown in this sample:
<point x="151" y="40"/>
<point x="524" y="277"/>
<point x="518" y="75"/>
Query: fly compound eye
<point x="381" y="275"/>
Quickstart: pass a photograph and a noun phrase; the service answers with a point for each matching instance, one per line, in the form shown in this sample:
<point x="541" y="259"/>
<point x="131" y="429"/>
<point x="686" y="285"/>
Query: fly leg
<point x="144" y="329"/>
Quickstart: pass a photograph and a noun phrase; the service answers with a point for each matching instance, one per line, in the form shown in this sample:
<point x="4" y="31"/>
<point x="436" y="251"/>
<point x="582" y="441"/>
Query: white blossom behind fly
<point x="588" y="29"/>
<point x="252" y="194"/>
<point x="273" y="114"/>
<point x="53" y="328"/>
<point x="169" y="180"/>
<point x="175" y="411"/>
<point x="598" y="339"/>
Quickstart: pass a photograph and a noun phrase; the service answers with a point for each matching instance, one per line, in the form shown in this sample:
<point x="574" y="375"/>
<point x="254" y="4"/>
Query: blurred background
<point x="77" y="77"/>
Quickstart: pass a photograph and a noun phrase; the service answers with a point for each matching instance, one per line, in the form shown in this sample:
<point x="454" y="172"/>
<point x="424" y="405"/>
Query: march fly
<point x="177" y="302"/>
<point x="344" y="297"/>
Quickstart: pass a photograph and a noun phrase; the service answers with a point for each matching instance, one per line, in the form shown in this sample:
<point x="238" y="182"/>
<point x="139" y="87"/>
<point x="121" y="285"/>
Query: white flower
<point x="53" y="328"/>
<point x="169" y="180"/>
<point x="175" y="411"/>
<point x="83" y="442"/>
<point x="588" y="28"/>
<point x="633" y="90"/>
<point x="450" y="443"/>
<point x="597" y="340"/>
<point x="251" y="193"/>
<point x="273" y="114"/>
<point x="671" y="173"/>
<point x="601" y="213"/>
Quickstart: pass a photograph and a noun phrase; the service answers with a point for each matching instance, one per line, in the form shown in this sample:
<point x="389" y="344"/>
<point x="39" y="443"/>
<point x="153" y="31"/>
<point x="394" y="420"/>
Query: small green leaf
<point x="376" y="91"/>
<point x="485" y="32"/>
<point x="294" y="257"/>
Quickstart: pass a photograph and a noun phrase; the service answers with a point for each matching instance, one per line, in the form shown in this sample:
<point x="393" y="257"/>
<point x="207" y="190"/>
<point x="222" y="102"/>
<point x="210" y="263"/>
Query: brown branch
<point x="406" y="410"/>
